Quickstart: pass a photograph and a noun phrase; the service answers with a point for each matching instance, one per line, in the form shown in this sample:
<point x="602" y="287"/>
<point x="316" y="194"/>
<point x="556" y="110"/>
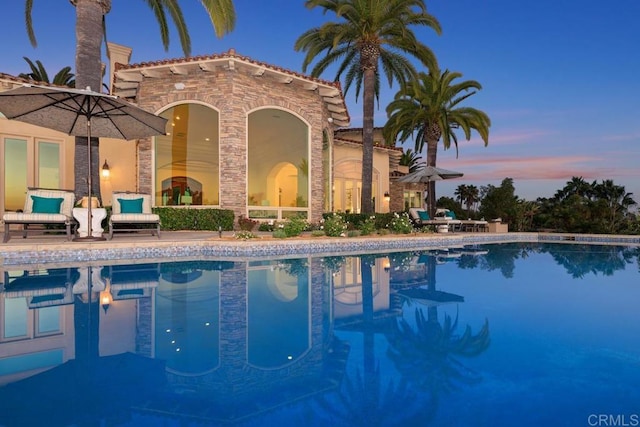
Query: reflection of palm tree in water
<point x="424" y="356"/>
<point x="363" y="398"/>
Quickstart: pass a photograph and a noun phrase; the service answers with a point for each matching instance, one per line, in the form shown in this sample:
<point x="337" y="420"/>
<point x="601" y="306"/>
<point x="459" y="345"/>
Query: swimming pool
<point x="503" y="334"/>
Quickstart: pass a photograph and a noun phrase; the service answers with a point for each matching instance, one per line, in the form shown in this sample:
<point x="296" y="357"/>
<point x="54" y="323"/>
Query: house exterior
<point x="263" y="141"/>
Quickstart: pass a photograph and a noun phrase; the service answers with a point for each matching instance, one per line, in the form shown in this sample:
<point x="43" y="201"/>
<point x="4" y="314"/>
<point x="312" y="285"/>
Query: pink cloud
<point x="535" y="168"/>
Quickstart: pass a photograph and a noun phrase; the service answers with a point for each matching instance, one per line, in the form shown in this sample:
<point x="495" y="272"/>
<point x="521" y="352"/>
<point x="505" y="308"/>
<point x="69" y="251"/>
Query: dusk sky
<point x="560" y="77"/>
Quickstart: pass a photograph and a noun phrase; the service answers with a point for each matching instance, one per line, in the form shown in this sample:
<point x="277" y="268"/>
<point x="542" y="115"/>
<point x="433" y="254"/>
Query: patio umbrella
<point x="428" y="174"/>
<point x="80" y="112"/>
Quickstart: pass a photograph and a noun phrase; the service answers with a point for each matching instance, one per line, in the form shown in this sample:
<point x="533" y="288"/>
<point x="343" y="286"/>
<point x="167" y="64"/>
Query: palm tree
<point x="411" y="159"/>
<point x="461" y="193"/>
<point x="38" y="73"/>
<point x="614" y="202"/>
<point x="429" y="108"/>
<point x="90" y="15"/>
<point x="369" y="34"/>
<point x="472" y="197"/>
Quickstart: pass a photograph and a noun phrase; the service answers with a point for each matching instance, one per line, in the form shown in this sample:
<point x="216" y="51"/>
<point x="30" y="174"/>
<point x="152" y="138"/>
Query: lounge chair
<point x="129" y="211"/>
<point x="41" y="288"/>
<point x="475" y="225"/>
<point x="133" y="281"/>
<point x="43" y="207"/>
<point x="465" y="224"/>
<point x="420" y="218"/>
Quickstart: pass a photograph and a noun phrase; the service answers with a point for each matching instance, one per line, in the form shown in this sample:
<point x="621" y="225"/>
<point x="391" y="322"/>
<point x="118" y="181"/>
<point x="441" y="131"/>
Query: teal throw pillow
<point x="450" y="214"/>
<point x="130" y="206"/>
<point x="46" y="205"/>
<point x="424" y="215"/>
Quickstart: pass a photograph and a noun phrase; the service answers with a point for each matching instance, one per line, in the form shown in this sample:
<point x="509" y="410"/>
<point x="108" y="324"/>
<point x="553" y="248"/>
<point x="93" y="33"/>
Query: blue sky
<point x="560" y="77"/>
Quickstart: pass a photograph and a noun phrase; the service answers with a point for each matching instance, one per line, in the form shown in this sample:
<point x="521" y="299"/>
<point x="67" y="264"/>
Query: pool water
<point x="489" y="335"/>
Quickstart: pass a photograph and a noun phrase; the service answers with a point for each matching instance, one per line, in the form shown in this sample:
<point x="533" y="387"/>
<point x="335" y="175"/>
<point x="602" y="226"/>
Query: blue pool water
<point x="493" y="335"/>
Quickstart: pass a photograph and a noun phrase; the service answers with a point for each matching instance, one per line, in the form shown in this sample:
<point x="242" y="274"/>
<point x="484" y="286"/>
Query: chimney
<point x="117" y="54"/>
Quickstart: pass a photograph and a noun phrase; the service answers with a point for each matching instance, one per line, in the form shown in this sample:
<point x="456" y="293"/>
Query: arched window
<point x="187" y="158"/>
<point x="278" y="165"/>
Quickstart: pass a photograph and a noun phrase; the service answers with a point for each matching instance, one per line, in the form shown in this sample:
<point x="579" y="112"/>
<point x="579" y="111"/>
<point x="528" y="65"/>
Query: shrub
<point x="246" y="224"/>
<point x="244" y="235"/>
<point x="280" y="234"/>
<point x="335" y="225"/>
<point x="295" y="226"/>
<point x="195" y="218"/>
<point x="353" y="233"/>
<point x="266" y="226"/>
<point x="401" y="224"/>
<point x="317" y="233"/>
<point x="368" y="226"/>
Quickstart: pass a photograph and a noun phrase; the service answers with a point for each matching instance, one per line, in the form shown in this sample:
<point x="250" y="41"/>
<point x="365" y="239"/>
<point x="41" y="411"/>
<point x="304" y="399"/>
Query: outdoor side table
<point x="81" y="215"/>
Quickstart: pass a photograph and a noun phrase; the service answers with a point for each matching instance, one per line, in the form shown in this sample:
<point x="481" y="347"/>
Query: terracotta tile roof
<point x="7" y="81"/>
<point x="231" y="53"/>
<point x="332" y="92"/>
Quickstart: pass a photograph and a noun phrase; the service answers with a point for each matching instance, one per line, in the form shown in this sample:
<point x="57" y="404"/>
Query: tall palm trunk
<point x="432" y="153"/>
<point x="89" y="15"/>
<point x="368" y="104"/>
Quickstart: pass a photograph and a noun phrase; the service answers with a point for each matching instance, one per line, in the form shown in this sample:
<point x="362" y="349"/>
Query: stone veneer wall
<point x="234" y="94"/>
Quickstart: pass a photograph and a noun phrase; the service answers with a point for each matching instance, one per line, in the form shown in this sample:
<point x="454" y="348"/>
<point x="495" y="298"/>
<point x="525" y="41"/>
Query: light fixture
<point x="105" y="169"/>
<point x="387" y="196"/>
<point x="387" y="265"/>
<point x="105" y="296"/>
<point x="179" y="86"/>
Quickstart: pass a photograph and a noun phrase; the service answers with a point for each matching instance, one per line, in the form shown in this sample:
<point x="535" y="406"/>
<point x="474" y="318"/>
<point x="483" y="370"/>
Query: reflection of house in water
<point x="237" y="338"/>
<point x="244" y="338"/>
<point x="415" y="275"/>
<point x="349" y="294"/>
<point x="41" y="309"/>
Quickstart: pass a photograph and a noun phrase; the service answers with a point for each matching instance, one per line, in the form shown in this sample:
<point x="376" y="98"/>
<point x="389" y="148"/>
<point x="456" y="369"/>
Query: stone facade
<point x="234" y="86"/>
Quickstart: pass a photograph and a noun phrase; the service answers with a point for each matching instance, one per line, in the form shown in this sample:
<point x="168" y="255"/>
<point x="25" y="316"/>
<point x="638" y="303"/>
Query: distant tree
<point x="525" y="212"/>
<point x="500" y="202"/>
<point x="613" y="204"/>
<point x="582" y="207"/>
<point x="471" y="197"/>
<point x="367" y="35"/>
<point x="460" y="192"/>
<point x="467" y="195"/>
<point x="38" y="73"/>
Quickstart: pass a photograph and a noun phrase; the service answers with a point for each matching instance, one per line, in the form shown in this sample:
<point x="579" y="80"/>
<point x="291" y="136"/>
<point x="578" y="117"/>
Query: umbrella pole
<point x="89" y="183"/>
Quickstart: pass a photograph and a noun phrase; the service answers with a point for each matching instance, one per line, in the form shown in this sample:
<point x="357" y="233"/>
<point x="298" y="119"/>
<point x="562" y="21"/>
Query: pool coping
<point x="183" y="246"/>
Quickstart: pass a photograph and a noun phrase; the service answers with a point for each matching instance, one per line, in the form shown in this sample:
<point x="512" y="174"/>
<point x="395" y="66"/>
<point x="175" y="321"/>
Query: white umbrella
<point x="80" y="112"/>
<point x="428" y="174"/>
